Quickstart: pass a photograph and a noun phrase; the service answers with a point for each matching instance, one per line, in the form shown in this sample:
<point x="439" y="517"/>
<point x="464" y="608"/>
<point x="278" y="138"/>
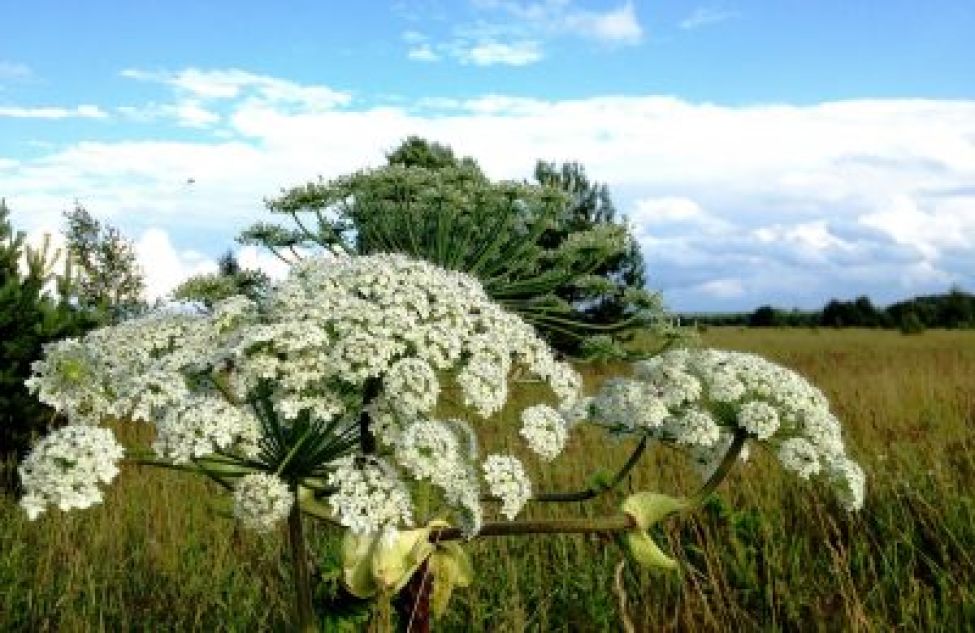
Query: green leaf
<point x="450" y="567"/>
<point x="397" y="557"/>
<point x="647" y="509"/>
<point x="383" y="564"/>
<point x="356" y="566"/>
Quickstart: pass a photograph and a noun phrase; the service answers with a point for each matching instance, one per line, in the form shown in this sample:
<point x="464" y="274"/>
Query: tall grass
<point x="769" y="552"/>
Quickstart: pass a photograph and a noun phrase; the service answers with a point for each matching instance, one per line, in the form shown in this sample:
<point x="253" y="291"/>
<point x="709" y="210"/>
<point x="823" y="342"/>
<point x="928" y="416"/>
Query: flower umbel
<point x="261" y="501"/>
<point x="699" y="398"/>
<point x="65" y="467"/>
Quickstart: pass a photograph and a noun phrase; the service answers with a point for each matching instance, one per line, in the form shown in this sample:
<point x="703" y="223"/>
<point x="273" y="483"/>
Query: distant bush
<point x="911" y="324"/>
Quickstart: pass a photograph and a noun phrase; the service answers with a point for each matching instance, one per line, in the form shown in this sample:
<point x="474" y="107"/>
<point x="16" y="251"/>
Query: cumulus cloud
<point x="734" y="205"/>
<point x="164" y="265"/>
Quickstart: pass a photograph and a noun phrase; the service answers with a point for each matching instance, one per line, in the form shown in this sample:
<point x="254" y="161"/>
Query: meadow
<point x="770" y="552"/>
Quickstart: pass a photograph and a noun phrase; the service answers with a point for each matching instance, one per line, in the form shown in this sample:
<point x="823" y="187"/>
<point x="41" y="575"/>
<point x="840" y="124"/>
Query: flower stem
<point x="299" y="565"/>
<point x="729" y="459"/>
<point x="594" y="491"/>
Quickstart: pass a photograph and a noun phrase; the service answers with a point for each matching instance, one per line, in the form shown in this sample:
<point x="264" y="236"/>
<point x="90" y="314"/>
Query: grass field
<point x="770" y="553"/>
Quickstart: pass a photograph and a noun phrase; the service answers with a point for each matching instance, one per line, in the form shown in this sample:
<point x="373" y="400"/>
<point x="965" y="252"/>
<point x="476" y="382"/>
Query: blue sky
<point x="781" y="152"/>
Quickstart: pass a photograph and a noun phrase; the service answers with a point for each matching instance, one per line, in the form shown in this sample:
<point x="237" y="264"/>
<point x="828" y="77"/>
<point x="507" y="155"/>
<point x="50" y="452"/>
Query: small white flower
<point x="544" y="430"/>
<point x="629" y="403"/>
<point x="694" y="428"/>
<point x="261" y="500"/>
<point x="800" y="456"/>
<point x="759" y="418"/>
<point x="848" y="481"/>
<point x="411" y="387"/>
<point x="507" y="480"/>
<point x="370" y="498"/>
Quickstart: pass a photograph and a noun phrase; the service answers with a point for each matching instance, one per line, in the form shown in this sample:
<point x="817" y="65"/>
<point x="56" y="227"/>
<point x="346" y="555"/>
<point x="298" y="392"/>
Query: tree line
<point x="954" y="309"/>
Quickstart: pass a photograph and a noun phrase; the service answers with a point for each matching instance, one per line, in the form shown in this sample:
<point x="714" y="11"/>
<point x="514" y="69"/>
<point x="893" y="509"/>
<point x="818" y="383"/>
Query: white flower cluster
<point x="545" y="431"/>
<point x="508" y="481"/>
<point x="699" y="398"/>
<point x="65" y="468"/>
<point x="133" y="370"/>
<point x="203" y="424"/>
<point x="431" y="450"/>
<point x="261" y="501"/>
<point x="322" y="339"/>
<point x="411" y="387"/>
<point x="371" y="498"/>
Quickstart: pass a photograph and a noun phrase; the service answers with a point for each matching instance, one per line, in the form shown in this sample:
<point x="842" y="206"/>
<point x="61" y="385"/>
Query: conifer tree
<point x="229" y="280"/>
<point x="34" y="309"/>
<point x="109" y="278"/>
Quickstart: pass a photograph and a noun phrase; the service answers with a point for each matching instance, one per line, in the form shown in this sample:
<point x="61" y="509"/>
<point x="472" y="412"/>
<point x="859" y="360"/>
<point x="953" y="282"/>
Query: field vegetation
<point x="767" y="553"/>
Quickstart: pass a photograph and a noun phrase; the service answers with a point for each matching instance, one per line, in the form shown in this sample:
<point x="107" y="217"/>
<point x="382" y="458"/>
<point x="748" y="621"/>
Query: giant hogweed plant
<point x="320" y="400"/>
<point x="456" y="218"/>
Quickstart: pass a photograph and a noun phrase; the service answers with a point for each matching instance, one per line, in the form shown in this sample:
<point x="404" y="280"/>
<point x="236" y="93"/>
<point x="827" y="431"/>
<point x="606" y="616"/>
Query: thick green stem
<point x="723" y="468"/>
<point x="299" y="564"/>
<point x="610" y="524"/>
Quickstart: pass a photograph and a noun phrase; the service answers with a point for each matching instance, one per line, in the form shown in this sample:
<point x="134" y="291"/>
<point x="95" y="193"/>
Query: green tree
<point x="542" y="249"/>
<point x="108" y="278"/>
<point x="34" y="309"/>
<point x="229" y="280"/>
<point x="589" y="206"/>
<point x="766" y="316"/>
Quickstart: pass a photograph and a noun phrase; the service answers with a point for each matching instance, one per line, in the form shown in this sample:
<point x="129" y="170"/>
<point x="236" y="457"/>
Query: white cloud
<point x="253" y="258"/>
<point x="164" y="265"/>
<point x="668" y="211"/>
<point x="188" y="113"/>
<point x="705" y="16"/>
<point x="947" y="223"/>
<point x="618" y="26"/>
<point x="797" y="202"/>
<point x="422" y="53"/>
<point x="726" y="288"/>
<point x="492" y="53"/>
<point x="53" y="112"/>
<point x="516" y="33"/>
<point x="213" y="85"/>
